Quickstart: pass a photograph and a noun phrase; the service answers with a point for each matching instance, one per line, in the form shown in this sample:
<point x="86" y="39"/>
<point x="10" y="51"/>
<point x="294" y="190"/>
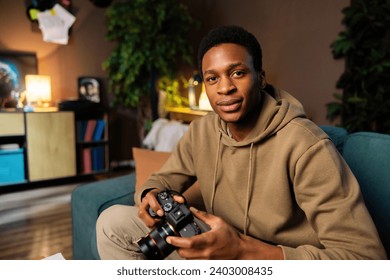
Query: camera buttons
<point x="167" y="207"/>
<point x="163" y="195"/>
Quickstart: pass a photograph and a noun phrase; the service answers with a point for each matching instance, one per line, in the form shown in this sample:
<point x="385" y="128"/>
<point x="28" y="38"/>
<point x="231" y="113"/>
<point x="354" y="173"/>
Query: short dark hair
<point x="232" y="34"/>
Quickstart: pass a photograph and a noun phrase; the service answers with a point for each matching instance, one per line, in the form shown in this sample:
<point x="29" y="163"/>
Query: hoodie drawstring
<point x="249" y="189"/>
<point x="215" y="175"/>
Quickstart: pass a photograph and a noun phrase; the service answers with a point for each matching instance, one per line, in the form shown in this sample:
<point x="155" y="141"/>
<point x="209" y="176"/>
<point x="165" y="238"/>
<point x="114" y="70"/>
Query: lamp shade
<point x="38" y="88"/>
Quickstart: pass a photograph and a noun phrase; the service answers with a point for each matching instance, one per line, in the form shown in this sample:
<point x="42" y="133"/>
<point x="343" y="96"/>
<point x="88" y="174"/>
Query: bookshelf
<point x="92" y="143"/>
<point x="40" y="146"/>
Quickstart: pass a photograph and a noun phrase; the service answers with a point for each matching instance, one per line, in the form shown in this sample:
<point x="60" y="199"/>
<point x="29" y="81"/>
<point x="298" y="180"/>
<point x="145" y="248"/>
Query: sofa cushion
<point x="148" y="162"/>
<point x="368" y="155"/>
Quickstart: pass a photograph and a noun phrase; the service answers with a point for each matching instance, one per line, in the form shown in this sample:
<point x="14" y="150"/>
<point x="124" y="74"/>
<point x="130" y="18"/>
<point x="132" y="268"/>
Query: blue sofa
<point x="368" y="155"/>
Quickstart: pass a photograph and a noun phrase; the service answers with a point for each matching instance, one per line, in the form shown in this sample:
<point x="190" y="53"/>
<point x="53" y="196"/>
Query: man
<point x="272" y="182"/>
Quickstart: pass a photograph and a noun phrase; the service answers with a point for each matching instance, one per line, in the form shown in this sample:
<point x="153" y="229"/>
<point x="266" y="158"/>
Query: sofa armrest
<point x="336" y="134"/>
<point x="87" y="202"/>
<point x="368" y="155"/>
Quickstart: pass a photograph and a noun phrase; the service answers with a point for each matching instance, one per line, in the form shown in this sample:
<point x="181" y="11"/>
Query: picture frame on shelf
<point x="89" y="89"/>
<point x="14" y="66"/>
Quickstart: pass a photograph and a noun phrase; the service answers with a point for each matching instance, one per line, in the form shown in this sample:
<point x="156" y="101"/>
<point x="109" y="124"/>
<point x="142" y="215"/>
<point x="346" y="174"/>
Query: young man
<point x="273" y="184"/>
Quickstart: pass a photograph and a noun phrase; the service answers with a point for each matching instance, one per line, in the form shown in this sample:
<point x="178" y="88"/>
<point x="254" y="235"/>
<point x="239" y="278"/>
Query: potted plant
<point x="364" y="104"/>
<point x="151" y="39"/>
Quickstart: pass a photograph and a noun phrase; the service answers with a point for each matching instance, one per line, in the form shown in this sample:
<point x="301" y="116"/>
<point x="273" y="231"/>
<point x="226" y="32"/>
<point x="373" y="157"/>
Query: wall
<point x="295" y="36"/>
<point x="82" y="56"/>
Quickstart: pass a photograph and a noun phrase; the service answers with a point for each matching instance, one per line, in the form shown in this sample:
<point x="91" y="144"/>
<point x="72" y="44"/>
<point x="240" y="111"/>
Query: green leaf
<point x="151" y="37"/>
<point x="365" y="46"/>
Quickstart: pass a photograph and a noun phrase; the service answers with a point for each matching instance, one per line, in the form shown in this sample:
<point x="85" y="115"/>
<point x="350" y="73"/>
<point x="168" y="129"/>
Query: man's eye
<point x="238" y="73"/>
<point x="211" y="79"/>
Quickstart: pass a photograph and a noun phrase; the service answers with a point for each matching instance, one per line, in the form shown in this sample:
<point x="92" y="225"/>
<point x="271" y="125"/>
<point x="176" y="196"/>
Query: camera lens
<point x="154" y="246"/>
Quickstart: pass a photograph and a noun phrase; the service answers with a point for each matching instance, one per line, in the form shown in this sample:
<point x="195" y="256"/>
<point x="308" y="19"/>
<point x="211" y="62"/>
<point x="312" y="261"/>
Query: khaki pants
<point x="118" y="228"/>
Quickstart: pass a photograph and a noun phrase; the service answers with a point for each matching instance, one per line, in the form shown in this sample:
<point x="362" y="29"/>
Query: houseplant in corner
<point x="364" y="104"/>
<point x="151" y="39"/>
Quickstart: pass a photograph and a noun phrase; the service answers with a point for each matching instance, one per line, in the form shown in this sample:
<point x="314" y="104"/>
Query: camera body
<point x="177" y="221"/>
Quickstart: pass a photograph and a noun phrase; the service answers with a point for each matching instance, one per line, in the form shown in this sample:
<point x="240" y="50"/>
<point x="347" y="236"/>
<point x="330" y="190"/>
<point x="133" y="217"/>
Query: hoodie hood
<point x="277" y="109"/>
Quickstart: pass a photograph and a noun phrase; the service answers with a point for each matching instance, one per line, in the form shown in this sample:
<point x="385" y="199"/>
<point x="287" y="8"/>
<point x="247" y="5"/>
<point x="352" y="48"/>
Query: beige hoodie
<point x="285" y="184"/>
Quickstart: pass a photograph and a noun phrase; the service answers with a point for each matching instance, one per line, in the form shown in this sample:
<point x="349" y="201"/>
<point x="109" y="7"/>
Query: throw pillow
<point x="148" y="162"/>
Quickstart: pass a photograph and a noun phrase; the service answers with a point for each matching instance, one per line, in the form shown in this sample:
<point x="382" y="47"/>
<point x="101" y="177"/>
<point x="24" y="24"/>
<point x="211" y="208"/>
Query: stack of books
<point x="92" y="157"/>
<point x="91" y="130"/>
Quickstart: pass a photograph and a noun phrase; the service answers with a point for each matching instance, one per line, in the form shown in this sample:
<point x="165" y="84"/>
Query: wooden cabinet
<point x="12" y="151"/>
<point x="47" y="141"/>
<point x="11" y="124"/>
<point x="51" y="151"/>
<point x="52" y="145"/>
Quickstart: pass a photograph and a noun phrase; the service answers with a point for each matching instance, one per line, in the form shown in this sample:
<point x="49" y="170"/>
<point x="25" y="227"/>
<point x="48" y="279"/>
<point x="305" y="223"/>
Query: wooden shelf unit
<point x="12" y="159"/>
<point x="93" y="150"/>
<point x="184" y="114"/>
<point x="50" y="145"/>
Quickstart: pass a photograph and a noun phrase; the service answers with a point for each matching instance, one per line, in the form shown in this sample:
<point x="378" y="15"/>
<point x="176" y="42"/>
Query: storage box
<point x="11" y="166"/>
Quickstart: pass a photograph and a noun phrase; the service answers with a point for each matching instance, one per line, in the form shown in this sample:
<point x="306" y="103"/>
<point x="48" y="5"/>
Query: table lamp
<point x="38" y="90"/>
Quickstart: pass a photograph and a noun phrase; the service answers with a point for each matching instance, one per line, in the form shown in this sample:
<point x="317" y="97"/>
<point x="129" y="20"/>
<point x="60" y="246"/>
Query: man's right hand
<point x="150" y="201"/>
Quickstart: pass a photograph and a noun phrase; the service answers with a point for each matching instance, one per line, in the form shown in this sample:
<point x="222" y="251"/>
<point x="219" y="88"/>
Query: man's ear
<point x="262" y="80"/>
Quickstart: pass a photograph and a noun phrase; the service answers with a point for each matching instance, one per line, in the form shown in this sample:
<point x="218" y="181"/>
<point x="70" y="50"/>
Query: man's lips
<point x="229" y="105"/>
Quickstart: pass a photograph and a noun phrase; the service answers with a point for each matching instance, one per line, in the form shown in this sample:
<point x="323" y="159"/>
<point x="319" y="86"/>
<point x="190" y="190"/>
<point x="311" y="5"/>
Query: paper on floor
<point x="55" y="257"/>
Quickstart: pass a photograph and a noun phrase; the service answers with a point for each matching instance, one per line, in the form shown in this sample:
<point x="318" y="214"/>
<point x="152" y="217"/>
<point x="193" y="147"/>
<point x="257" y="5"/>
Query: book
<point x="81" y="127"/>
<point x="87" y="160"/>
<point x="98" y="158"/>
<point x="91" y="124"/>
<point x="9" y="147"/>
<point x="99" y="130"/>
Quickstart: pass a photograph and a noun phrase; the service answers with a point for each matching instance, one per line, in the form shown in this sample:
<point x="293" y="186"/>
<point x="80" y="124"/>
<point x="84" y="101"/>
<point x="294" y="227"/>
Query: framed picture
<point x="89" y="89"/>
<point x="14" y="66"/>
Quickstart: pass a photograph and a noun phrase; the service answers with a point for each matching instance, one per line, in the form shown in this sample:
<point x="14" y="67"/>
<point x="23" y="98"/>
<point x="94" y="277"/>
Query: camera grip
<point x="202" y="225"/>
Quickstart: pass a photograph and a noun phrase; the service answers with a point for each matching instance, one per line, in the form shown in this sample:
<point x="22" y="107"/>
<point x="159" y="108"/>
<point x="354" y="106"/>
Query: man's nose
<point x="226" y="86"/>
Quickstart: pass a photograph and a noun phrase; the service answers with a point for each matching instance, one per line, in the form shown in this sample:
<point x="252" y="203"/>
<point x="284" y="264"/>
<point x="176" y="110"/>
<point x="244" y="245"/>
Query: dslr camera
<point x="177" y="221"/>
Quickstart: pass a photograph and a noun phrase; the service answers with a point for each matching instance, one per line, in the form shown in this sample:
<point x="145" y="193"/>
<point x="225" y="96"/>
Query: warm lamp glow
<point x="38" y="89"/>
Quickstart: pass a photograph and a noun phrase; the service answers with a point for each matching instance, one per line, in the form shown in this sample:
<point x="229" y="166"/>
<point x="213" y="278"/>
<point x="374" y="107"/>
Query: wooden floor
<point x="37" y="223"/>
